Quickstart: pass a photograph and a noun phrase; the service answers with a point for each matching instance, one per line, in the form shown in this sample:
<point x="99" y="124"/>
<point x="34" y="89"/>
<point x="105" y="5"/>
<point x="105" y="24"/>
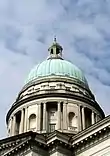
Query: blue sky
<point x="27" y="28"/>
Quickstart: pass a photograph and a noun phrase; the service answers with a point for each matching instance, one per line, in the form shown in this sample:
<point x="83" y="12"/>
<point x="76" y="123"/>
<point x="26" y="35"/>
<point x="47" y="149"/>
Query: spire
<point x="55" y="39"/>
<point x="55" y="51"/>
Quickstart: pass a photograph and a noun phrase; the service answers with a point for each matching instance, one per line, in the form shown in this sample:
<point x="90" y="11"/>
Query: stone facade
<point x="60" y="104"/>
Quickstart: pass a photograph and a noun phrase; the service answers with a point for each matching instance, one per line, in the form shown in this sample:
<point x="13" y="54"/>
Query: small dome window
<point x="57" y="51"/>
<point x="51" y="51"/>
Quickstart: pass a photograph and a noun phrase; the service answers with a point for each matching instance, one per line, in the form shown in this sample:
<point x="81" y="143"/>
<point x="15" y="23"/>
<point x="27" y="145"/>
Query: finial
<point x="55" y="50"/>
<point x="55" y="40"/>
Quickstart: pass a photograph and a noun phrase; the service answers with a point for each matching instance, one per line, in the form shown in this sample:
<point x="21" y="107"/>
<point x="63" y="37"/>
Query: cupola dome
<point x="55" y="65"/>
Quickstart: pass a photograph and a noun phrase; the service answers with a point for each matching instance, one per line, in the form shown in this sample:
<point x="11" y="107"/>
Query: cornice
<point x="97" y="125"/>
<point x="92" y="140"/>
<point x="55" y="79"/>
<point x="91" y="136"/>
<point x="55" y="141"/>
<point x="30" y="140"/>
<point x="57" y="135"/>
<point x="49" y="94"/>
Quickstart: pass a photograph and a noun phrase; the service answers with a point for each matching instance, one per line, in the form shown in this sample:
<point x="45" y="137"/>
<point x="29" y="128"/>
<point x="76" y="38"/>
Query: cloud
<point x="26" y="31"/>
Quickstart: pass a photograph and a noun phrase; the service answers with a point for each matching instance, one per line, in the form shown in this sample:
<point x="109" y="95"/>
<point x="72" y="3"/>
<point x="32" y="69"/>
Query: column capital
<point x="65" y="103"/>
<point x="39" y="103"/>
<point x="84" y="107"/>
<point x="59" y="102"/>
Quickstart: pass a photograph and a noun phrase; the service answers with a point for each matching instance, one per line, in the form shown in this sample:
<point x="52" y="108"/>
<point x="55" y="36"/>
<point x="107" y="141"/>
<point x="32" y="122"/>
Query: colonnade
<point x="23" y="122"/>
<point x="45" y="119"/>
<point x="83" y="118"/>
<point x="42" y="120"/>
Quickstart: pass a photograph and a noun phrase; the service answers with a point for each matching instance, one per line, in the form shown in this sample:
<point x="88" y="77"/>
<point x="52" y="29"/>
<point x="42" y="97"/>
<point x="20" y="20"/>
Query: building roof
<point x="55" y="65"/>
<point x="58" y="67"/>
<point x="75" y="143"/>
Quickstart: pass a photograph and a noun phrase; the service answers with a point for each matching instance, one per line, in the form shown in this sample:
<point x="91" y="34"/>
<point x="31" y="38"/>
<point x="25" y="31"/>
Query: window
<point x="51" y="127"/>
<point x="71" y="119"/>
<point x="57" y="51"/>
<point x="51" y="51"/>
<point x="32" y="121"/>
<point x="52" y="113"/>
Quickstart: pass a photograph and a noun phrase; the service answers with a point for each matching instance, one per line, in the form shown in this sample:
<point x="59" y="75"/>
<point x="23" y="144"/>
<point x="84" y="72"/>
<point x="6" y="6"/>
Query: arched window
<point x="72" y="122"/>
<point x="32" y="121"/>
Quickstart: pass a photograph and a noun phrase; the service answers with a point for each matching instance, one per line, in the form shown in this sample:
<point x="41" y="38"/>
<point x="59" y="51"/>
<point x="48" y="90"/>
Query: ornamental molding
<point x="92" y="140"/>
<point x="53" y="88"/>
<point x="49" y="95"/>
<point x="91" y="136"/>
<point x="56" y="141"/>
<point x="55" y="79"/>
<point x="31" y="141"/>
<point x="93" y="129"/>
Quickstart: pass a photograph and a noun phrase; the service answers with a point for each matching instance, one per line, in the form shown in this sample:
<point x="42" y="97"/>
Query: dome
<point x="58" y="67"/>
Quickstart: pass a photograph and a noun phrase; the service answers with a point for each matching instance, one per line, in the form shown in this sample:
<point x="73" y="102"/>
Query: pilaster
<point x="13" y="124"/>
<point x="65" y="116"/>
<point x="25" y="119"/>
<point x="22" y="122"/>
<point x="59" y="116"/>
<point x="93" y="118"/>
<point x="83" y="118"/>
<point x="44" y="116"/>
<point x="39" y="117"/>
<point x="79" y="119"/>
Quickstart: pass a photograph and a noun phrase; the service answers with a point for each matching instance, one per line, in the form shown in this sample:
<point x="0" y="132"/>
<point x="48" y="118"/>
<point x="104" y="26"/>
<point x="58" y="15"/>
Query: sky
<point x="27" y="28"/>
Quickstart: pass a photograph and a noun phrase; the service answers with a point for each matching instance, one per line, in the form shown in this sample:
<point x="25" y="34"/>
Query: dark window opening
<point x="41" y="124"/>
<point x="57" y="51"/>
<point x="51" y="51"/>
<point x="18" y="119"/>
<point x="87" y="117"/>
<point x="71" y="118"/>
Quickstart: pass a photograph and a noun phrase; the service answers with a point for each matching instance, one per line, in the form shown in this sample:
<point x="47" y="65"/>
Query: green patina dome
<point x="56" y="66"/>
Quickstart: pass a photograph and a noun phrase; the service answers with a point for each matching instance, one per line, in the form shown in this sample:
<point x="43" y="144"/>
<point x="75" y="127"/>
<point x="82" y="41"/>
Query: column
<point x="13" y="125"/>
<point x="11" y="122"/>
<point x="58" y="116"/>
<point x="93" y="118"/>
<point x="44" y="116"/>
<point x="39" y="117"/>
<point x="83" y="118"/>
<point x="79" y="119"/>
<point x="22" y="122"/>
<point x="25" y="119"/>
<point x="64" y="116"/>
<point x="97" y="118"/>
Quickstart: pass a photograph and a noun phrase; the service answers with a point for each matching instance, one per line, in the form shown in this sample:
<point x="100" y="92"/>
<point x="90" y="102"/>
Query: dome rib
<point x="58" y="67"/>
